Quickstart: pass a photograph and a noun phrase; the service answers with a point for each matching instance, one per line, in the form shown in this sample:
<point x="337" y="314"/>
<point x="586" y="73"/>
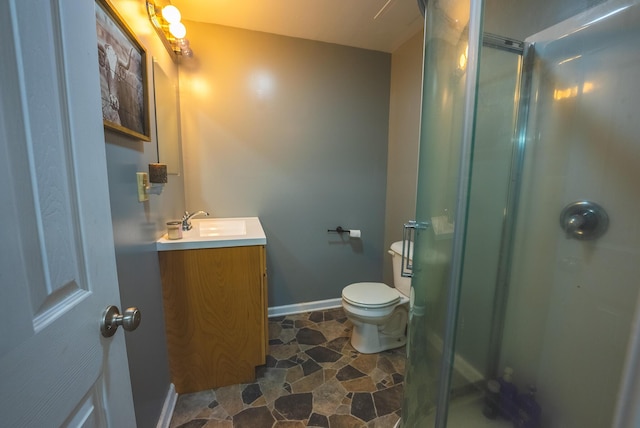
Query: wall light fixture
<point x="165" y="18"/>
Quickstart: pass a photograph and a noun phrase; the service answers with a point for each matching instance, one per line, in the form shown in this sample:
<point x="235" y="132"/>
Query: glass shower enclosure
<point x="527" y="244"/>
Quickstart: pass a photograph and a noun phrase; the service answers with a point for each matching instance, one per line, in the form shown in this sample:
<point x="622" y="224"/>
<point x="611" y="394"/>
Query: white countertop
<point x="208" y="232"/>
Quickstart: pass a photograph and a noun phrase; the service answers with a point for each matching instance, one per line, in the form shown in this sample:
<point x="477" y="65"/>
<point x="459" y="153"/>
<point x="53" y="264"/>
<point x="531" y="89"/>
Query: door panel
<point x="57" y="267"/>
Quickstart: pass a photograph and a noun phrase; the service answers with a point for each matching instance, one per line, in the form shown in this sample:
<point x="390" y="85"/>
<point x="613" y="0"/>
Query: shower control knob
<point x="584" y="220"/>
<point x="112" y="319"/>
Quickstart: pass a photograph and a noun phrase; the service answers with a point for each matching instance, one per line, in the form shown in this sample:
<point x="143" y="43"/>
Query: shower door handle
<point x="408" y="238"/>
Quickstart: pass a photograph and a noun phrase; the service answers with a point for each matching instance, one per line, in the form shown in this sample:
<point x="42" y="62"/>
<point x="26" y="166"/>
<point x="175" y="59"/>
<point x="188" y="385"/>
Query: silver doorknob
<point x="112" y="319"/>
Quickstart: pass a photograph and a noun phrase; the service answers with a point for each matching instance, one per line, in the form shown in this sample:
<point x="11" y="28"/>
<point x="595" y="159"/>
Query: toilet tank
<point x="401" y="283"/>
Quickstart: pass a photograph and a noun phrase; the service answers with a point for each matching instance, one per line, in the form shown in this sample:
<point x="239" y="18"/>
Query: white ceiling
<point x="345" y="22"/>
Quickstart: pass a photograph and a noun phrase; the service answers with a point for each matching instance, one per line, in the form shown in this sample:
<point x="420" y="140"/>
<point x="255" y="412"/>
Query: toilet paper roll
<point x="354" y="233"/>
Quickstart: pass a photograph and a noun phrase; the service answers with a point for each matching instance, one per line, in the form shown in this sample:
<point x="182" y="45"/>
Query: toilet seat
<point x="370" y="295"/>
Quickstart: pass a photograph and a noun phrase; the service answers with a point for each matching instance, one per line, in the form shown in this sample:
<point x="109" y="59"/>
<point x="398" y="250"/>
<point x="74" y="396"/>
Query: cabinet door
<point x="214" y="312"/>
<point x="265" y="304"/>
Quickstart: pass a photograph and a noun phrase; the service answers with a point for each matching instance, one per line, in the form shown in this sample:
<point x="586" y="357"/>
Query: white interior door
<point x="57" y="264"/>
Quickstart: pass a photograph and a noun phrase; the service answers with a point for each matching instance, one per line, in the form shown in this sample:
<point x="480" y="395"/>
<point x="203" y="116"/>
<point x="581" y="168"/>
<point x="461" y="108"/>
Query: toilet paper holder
<point x="339" y="230"/>
<point x="353" y="233"/>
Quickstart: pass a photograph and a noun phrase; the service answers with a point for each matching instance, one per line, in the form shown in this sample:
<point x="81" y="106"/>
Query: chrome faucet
<point x="186" y="218"/>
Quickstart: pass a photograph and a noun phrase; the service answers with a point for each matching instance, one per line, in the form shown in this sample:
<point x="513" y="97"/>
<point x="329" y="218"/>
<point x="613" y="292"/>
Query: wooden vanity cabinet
<point x="215" y="307"/>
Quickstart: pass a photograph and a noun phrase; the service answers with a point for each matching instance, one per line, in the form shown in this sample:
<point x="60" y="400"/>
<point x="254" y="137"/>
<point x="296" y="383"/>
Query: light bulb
<point x="171" y="14"/>
<point x="178" y="30"/>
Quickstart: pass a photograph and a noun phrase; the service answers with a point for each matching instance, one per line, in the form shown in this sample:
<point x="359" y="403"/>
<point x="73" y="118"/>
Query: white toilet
<point x="379" y="312"/>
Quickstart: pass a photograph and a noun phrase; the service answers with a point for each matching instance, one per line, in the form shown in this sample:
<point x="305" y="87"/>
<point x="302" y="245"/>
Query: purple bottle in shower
<point x="529" y="411"/>
<point x="508" y="395"/>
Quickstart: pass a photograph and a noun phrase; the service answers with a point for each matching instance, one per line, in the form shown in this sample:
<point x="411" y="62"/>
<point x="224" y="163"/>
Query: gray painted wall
<point x="136" y="226"/>
<point x="294" y="132"/>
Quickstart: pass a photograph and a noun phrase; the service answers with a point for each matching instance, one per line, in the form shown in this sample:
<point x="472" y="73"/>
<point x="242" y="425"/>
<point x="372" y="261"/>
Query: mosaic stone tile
<point x="260" y="401"/>
<point x="194" y="423"/>
<point x="319" y="421"/>
<point x="329" y="373"/>
<point x="302" y="323"/>
<point x="344" y="409"/>
<point x="230" y="398"/>
<point x="322" y="354"/>
<point x="365" y="362"/>
<point x="213" y="423"/>
<point x="271" y="384"/>
<point x="310" y="366"/>
<point x="338" y="343"/>
<point x="385" y="365"/>
<point x="348" y="372"/>
<point x="294" y="373"/>
<point x="363" y="384"/>
<point x="308" y="383"/>
<point x="253" y="417"/>
<point x="344" y="361"/>
<point x="289" y="424"/>
<point x="286" y="337"/>
<point x="362" y="406"/>
<point x="295" y="406"/>
<point x="251" y="393"/>
<point x="316" y="316"/>
<point x="285" y="364"/>
<point x="283" y="352"/>
<point x="378" y="375"/>
<point x="312" y="377"/>
<point x="274" y="330"/>
<point x="189" y="406"/>
<point x="310" y="336"/>
<point x="328" y="397"/>
<point x="398" y="360"/>
<point x="333" y="329"/>
<point x="388" y="400"/>
<point x="397" y="378"/>
<point x="344" y="421"/>
<point x="287" y="323"/>
<point x="271" y="362"/>
<point x="387" y="421"/>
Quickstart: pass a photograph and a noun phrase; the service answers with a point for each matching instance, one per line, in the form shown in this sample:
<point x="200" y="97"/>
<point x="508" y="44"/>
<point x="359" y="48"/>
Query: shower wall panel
<point x="571" y="303"/>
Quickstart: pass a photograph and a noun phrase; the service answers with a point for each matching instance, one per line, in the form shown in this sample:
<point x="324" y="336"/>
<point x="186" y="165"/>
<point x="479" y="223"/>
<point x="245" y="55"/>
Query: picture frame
<point x="122" y="63"/>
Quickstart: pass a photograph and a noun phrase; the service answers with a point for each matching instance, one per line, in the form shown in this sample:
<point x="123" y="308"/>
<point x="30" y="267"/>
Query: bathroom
<point x="293" y="169"/>
<point x="348" y="157"/>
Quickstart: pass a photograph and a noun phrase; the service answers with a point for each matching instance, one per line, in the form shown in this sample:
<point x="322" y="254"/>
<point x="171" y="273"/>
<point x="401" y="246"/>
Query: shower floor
<point x="466" y="412"/>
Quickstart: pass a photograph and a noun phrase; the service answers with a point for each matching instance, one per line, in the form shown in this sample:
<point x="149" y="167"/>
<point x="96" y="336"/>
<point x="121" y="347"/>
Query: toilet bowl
<point x="378" y="312"/>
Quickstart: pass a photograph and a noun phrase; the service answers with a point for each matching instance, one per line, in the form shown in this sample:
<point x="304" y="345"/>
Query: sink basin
<point x="216" y="233"/>
<point x="222" y="227"/>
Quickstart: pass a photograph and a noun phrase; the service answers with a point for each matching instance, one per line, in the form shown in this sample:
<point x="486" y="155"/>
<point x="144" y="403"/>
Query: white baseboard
<point x="297" y="308"/>
<point x="167" y="409"/>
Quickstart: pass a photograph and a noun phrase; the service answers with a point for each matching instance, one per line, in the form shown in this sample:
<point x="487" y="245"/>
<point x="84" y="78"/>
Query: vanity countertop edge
<point x="192" y="240"/>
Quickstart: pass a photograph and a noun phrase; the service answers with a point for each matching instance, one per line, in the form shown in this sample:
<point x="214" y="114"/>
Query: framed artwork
<point x="122" y="61"/>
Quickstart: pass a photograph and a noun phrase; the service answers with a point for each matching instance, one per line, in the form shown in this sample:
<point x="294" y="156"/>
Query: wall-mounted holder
<point x="353" y="233"/>
<point x="338" y="229"/>
<point x="153" y="182"/>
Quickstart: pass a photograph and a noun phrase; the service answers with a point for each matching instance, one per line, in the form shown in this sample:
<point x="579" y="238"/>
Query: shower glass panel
<point x="449" y="72"/>
<point x="493" y="153"/>
<point x="510" y="285"/>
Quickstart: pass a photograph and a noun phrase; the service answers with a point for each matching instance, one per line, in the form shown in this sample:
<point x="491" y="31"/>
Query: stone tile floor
<point x="313" y="377"/>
